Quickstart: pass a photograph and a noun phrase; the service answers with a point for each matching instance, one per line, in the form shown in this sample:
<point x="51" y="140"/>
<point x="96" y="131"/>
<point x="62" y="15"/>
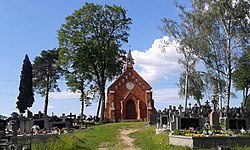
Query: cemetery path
<point x="128" y="140"/>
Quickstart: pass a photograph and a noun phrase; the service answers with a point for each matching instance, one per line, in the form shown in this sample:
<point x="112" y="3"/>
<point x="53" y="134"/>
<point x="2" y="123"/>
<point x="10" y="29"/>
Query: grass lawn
<point x="146" y="139"/>
<point x="100" y="136"/>
<point x="107" y="136"/>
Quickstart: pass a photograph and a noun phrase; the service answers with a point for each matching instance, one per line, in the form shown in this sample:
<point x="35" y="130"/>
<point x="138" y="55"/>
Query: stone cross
<point x="207" y="103"/>
<point x="70" y="115"/>
<point x="214" y="103"/>
<point x="195" y="109"/>
<point x="180" y="109"/>
<point x="189" y="104"/>
<point x="63" y="117"/>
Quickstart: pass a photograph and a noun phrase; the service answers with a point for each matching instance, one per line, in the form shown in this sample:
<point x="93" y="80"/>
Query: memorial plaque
<point x="59" y="125"/>
<point x="164" y="120"/>
<point x="154" y="118"/>
<point x="2" y="125"/>
<point x="39" y="123"/>
<point x="237" y="124"/>
<point x="190" y="122"/>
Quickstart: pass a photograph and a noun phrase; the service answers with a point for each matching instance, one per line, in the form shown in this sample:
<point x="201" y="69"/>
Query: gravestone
<point x="25" y="124"/>
<point x="195" y="111"/>
<point x="59" y="125"/>
<point x="186" y="123"/>
<point x="39" y="122"/>
<point x="2" y="128"/>
<point x="63" y="117"/>
<point x="154" y="118"/>
<point x="214" y="117"/>
<point x="180" y="108"/>
<point x="237" y="124"/>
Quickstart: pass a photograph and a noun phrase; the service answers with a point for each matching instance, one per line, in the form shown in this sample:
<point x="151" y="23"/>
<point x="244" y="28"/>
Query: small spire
<point x="129" y="61"/>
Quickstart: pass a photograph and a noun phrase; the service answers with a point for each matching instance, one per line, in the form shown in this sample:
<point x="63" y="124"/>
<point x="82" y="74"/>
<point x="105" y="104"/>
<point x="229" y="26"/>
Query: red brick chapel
<point x="129" y="97"/>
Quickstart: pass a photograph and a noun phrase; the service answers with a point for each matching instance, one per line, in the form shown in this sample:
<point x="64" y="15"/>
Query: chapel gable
<point x="129" y="96"/>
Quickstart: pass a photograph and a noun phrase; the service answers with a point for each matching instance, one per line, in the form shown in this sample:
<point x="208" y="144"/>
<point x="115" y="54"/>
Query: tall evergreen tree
<point x="26" y="95"/>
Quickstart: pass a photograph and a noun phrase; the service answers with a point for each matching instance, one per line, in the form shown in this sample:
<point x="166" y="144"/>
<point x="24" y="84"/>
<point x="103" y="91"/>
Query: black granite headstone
<point x="154" y="118"/>
<point x="237" y="124"/>
<point x="164" y="120"/>
<point x="190" y="122"/>
<point x="39" y="123"/>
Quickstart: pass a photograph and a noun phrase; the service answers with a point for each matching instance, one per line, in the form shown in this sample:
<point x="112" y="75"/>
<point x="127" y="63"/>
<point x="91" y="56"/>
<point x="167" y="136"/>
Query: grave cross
<point x="196" y="108"/>
<point x="71" y="116"/>
<point x="180" y="109"/>
<point x="214" y="103"/>
<point x="190" y="108"/>
<point x="207" y="103"/>
<point x="174" y="108"/>
<point x="189" y="105"/>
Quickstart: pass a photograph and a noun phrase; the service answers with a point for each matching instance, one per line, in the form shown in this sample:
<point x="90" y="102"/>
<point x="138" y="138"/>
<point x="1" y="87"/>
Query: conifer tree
<point x="26" y="95"/>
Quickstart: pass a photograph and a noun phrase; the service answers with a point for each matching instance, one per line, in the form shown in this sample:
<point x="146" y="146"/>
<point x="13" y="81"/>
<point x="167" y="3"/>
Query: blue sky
<point x="30" y="26"/>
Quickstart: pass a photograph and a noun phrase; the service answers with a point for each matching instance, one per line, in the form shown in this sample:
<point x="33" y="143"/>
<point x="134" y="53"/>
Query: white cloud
<point x="154" y="64"/>
<point x="63" y="95"/>
<point x="160" y="69"/>
<point x="165" y="95"/>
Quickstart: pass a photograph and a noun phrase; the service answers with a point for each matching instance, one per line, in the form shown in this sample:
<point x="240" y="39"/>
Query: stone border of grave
<point x="209" y="141"/>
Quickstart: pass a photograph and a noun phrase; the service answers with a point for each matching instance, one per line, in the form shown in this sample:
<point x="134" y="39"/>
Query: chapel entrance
<point x="130" y="110"/>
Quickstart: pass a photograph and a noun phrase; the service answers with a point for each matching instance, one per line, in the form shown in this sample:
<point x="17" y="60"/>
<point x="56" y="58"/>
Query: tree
<point x="189" y="63"/>
<point x="46" y="74"/>
<point x="76" y="81"/>
<point x="248" y="101"/>
<point x="26" y="95"/>
<point x="241" y="76"/>
<point x="195" y="87"/>
<point x="92" y="36"/>
<point x="215" y="31"/>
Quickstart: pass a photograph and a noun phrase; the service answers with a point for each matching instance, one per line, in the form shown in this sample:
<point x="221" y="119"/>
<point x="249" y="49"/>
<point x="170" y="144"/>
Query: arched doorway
<point x="130" y="110"/>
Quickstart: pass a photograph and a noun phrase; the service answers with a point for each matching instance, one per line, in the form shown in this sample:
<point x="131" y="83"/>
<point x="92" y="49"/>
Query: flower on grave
<point x="206" y="125"/>
<point x="229" y="132"/>
<point x="242" y="131"/>
<point x="191" y="130"/>
<point x="209" y="132"/>
<point x="204" y="132"/>
<point x="194" y="134"/>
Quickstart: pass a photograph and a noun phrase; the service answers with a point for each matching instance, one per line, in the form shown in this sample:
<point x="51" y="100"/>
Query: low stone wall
<point x="210" y="141"/>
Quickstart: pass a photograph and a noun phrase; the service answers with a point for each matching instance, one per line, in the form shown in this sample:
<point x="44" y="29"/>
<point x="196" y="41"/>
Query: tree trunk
<point x="245" y="97"/>
<point x="218" y="78"/>
<point x="228" y="75"/>
<point x="82" y="108"/>
<point x="82" y="98"/>
<point x="98" y="107"/>
<point x="46" y="122"/>
<point x="219" y="88"/>
<point x="199" y="102"/>
<point x="103" y="103"/>
<point x="186" y="90"/>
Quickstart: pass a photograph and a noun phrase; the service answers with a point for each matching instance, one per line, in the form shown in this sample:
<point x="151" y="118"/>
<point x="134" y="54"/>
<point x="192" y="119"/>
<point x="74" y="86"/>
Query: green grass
<point x="107" y="136"/>
<point x="146" y="139"/>
<point x="104" y="136"/>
